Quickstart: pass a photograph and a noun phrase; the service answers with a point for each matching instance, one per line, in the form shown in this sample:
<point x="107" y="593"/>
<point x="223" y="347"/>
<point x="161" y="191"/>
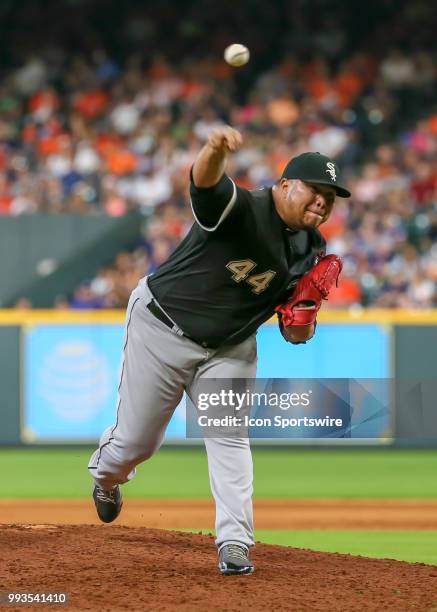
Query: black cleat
<point x="108" y="503"/>
<point x="234" y="560"/>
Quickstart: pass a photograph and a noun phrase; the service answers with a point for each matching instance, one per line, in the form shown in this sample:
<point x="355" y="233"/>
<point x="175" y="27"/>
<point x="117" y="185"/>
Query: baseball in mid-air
<point x="237" y="55"/>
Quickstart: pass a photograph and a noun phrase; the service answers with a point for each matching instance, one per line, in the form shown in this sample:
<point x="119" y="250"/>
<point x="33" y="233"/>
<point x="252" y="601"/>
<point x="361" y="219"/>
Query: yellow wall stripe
<point x="62" y="317"/>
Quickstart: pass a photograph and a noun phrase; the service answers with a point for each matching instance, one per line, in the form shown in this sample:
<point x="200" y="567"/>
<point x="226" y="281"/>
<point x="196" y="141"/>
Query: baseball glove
<point x="310" y="290"/>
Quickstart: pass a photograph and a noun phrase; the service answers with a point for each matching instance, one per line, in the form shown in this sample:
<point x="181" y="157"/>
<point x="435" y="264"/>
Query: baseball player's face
<point x="303" y="205"/>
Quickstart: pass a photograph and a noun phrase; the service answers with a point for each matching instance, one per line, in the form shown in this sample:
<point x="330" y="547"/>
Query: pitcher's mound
<point x="109" y="567"/>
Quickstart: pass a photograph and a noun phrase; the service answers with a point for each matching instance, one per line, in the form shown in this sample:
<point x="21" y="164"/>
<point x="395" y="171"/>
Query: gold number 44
<point x="260" y="282"/>
<point x="241" y="269"/>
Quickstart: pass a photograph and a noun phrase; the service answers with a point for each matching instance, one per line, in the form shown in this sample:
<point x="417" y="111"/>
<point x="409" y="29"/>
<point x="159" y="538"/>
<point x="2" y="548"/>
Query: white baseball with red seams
<point x="237" y="55"/>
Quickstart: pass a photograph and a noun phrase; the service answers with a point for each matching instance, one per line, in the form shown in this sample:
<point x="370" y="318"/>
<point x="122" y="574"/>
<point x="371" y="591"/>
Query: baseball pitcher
<point x="248" y="254"/>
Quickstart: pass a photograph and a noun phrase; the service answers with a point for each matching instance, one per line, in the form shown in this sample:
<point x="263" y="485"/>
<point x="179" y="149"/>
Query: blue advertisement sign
<point x="71" y="378"/>
<point x="336" y="351"/>
<point x="71" y="372"/>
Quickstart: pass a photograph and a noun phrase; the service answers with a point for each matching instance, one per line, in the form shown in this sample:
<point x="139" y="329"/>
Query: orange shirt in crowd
<point x="433" y="124"/>
<point x="90" y="104"/>
<point x="348" y="85"/>
<point x="160" y="69"/>
<point x="334" y="226"/>
<point x="29" y="133"/>
<point x="5" y="203"/>
<point x="51" y="144"/>
<point x="121" y="161"/>
<point x="105" y="143"/>
<point x="44" y="100"/>
<point x="348" y="292"/>
<point x="245" y="182"/>
<point x="191" y="89"/>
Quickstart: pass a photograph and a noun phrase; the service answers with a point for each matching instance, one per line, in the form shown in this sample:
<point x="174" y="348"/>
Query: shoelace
<point x="236" y="551"/>
<point x="106" y="496"/>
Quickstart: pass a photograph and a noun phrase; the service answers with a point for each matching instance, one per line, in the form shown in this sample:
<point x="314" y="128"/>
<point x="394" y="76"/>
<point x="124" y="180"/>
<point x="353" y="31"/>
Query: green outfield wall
<point x="58" y="248"/>
<point x="10" y="384"/>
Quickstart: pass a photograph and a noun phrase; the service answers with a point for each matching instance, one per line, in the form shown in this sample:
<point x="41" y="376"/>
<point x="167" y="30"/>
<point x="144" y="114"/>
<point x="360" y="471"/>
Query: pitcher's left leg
<point x="229" y="458"/>
<point x="231" y="478"/>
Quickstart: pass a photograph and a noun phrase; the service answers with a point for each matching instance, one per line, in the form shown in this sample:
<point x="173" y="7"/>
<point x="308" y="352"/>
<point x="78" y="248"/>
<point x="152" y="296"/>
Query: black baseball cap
<point x="316" y="168"/>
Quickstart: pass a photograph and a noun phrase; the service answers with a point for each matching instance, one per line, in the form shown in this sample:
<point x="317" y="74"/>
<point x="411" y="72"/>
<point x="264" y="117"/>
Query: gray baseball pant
<point x="158" y="365"/>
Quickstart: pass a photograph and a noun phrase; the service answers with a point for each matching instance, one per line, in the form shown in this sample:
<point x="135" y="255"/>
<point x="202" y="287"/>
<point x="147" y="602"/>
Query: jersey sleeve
<point x="211" y="205"/>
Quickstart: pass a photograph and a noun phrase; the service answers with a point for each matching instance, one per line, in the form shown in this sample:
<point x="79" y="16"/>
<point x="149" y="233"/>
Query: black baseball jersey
<point x="238" y="261"/>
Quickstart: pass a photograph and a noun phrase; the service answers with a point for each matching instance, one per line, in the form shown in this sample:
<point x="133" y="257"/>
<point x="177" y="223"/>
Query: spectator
<point x="110" y="125"/>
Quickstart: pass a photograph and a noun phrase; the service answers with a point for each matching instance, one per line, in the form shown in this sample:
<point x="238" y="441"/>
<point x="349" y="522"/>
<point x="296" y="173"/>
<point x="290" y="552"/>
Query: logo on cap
<point x="330" y="169"/>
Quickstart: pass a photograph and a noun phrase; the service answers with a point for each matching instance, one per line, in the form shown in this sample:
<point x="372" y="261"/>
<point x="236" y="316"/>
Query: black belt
<point x="160" y="314"/>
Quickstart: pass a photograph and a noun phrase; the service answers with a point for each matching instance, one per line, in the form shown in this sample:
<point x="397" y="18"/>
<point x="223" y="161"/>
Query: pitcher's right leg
<point x="155" y="368"/>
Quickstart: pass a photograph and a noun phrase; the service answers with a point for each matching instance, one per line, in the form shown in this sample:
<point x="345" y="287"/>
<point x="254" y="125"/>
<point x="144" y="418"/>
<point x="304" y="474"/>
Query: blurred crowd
<point x="103" y="130"/>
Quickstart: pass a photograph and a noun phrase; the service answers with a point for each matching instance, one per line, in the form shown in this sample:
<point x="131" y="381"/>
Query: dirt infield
<point x="59" y="545"/>
<point x="114" y="568"/>
<point x="199" y="514"/>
